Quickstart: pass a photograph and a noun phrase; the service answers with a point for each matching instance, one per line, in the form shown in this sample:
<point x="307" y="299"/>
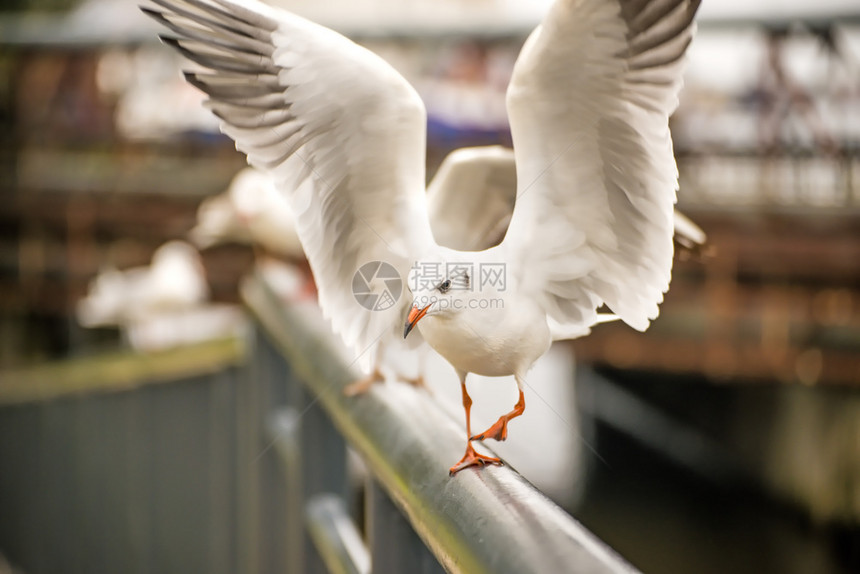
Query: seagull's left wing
<point x="589" y="104"/>
<point x="342" y="133"/>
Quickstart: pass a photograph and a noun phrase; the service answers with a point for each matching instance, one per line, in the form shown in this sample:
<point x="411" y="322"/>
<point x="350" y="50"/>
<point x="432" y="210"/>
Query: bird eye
<point x="444" y="286"/>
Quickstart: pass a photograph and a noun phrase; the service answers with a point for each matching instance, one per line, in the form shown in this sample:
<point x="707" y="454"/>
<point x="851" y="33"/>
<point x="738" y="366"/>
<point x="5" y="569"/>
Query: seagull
<point x="344" y="136"/>
<point x="251" y="210"/>
<point x="218" y="222"/>
<point x="174" y="281"/>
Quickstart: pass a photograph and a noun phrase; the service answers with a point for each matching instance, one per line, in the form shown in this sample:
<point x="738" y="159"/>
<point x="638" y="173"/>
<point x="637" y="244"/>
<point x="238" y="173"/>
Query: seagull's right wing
<point x="341" y="131"/>
<point x="589" y="103"/>
<point x="471" y="197"/>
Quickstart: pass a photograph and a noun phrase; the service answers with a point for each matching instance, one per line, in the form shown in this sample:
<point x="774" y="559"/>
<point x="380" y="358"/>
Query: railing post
<point x="394" y="546"/>
<point x="335" y="535"/>
<point x="312" y="453"/>
<point x="322" y="468"/>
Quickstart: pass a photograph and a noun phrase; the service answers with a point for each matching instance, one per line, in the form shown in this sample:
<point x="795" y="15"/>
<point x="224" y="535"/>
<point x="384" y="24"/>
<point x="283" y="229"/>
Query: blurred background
<point x="726" y="438"/>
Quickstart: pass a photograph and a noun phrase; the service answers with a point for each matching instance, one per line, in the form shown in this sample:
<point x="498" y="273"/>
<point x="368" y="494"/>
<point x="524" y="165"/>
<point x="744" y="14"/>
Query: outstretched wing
<point x="589" y="104"/>
<point x="340" y="130"/>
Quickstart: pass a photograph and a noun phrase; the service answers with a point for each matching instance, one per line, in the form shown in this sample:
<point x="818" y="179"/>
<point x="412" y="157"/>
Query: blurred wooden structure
<point x="778" y="300"/>
<point x="77" y="197"/>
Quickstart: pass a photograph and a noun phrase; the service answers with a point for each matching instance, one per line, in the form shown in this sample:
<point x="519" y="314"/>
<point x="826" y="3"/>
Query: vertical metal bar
<point x="335" y="536"/>
<point x="313" y="455"/>
<point x="248" y="448"/>
<point x="221" y="462"/>
<point x="140" y="464"/>
<point x="89" y="456"/>
<point x="283" y="435"/>
<point x="282" y="463"/>
<point x="276" y="546"/>
<point x="55" y="492"/>
<point x="394" y="545"/>
<point x="181" y="494"/>
<point x="114" y="480"/>
<point x="323" y="467"/>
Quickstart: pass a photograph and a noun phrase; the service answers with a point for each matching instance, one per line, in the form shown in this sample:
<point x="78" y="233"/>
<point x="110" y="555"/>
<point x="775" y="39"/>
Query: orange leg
<point x="472" y="457"/>
<point x="499" y="430"/>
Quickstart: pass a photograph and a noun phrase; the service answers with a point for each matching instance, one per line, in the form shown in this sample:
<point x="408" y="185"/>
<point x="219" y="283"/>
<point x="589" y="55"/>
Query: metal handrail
<point x="480" y="520"/>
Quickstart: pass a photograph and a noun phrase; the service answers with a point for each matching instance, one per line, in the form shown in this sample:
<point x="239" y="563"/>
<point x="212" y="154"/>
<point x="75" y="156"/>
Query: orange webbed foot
<point x="499" y="431"/>
<point x="473" y="458"/>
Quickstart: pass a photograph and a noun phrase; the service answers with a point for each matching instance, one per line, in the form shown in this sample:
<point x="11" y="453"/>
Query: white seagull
<point x="174" y="281"/>
<point x="589" y="102"/>
<point x="251" y="210"/>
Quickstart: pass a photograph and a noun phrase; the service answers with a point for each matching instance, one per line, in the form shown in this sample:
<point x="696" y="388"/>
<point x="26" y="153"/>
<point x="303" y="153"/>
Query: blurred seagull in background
<point x="252" y="210"/>
<point x="343" y="135"/>
<point x="174" y="280"/>
<point x="162" y="305"/>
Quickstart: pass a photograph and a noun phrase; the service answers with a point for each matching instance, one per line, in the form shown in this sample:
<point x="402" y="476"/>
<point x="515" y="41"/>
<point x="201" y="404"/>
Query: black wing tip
<point x="194" y="79"/>
<point x="171" y="41"/>
<point x="151" y="11"/>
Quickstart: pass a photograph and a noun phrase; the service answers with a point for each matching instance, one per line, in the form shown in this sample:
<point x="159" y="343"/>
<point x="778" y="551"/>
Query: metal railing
<point x="487" y="520"/>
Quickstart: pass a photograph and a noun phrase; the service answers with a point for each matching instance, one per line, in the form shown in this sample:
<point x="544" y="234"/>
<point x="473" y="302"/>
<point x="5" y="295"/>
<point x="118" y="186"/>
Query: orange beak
<point x="415" y="315"/>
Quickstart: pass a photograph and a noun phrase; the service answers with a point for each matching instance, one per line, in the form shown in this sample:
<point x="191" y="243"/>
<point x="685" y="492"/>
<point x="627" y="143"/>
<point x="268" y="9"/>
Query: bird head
<point x="438" y="288"/>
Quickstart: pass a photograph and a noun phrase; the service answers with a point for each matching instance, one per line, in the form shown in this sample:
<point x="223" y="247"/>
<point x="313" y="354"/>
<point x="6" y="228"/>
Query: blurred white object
<point x="252" y="210"/>
<point x="160" y="306"/>
<point x="218" y="222"/>
<point x="471" y="198"/>
<point x="186" y="326"/>
<point x="174" y="281"/>
<point x="288" y="281"/>
<point x="152" y="100"/>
